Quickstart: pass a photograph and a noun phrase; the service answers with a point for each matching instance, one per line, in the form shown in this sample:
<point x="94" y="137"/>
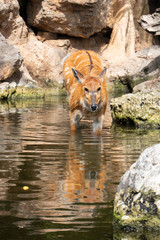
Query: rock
<point x="142" y="66"/>
<point x="15" y="30"/>
<point x="122" y="42"/>
<point x="147" y="85"/>
<point x="12" y="25"/>
<point x="151" y="22"/>
<point x="24" y="77"/>
<point x="80" y="18"/>
<point x="148" y="66"/>
<point x="13" y="73"/>
<point x="144" y="39"/>
<point x="10" y="61"/>
<point x="85" y="18"/>
<point x="137" y="201"/>
<point x="94" y="43"/>
<point x="43" y="36"/>
<point x="43" y="60"/>
<point x="141" y="109"/>
<point x="20" y="85"/>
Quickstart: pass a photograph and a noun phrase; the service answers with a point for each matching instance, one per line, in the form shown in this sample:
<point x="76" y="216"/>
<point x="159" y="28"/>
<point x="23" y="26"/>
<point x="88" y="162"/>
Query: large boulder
<point x="137" y="201"/>
<point x="141" y="109"/>
<point x="10" y="60"/>
<point x="80" y="18"/>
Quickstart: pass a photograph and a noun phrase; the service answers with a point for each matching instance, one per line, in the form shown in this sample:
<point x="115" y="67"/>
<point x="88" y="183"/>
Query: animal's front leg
<point x="75" y="117"/>
<point x="97" y="125"/>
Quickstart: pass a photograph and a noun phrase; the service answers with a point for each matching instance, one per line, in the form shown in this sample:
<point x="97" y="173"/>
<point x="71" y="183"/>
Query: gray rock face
<point x="10" y="60"/>
<point x="137" y="201"/>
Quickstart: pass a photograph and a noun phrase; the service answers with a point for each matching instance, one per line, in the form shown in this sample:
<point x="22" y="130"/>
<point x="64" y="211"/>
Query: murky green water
<point x="54" y="185"/>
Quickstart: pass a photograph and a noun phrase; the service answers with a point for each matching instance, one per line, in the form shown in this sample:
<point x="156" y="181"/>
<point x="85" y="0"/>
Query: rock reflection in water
<point x="72" y="179"/>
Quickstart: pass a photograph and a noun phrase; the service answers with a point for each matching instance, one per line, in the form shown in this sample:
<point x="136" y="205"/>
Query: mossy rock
<point x="136" y="213"/>
<point x="28" y="93"/>
<point x="7" y="93"/>
<point x="139" y="110"/>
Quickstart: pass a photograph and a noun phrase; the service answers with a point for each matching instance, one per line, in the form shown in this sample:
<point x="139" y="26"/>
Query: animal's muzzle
<point x="94" y="107"/>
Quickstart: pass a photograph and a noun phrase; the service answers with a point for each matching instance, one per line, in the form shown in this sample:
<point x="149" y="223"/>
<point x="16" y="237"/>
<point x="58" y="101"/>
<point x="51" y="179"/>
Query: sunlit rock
<point x="80" y="18"/>
<point x="43" y="60"/>
<point x="12" y="25"/>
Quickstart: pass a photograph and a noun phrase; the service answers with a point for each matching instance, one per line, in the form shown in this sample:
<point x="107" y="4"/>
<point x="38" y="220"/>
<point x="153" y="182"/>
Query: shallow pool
<point x="58" y="185"/>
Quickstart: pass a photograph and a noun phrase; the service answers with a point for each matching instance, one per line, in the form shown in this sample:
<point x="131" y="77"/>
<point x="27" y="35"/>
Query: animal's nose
<point x="94" y="107"/>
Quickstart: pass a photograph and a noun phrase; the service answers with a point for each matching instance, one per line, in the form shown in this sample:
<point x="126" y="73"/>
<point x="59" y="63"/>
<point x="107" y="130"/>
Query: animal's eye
<point x="86" y="89"/>
<point x="98" y="89"/>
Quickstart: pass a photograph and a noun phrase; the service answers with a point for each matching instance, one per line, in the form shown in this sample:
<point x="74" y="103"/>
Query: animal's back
<point x="86" y="62"/>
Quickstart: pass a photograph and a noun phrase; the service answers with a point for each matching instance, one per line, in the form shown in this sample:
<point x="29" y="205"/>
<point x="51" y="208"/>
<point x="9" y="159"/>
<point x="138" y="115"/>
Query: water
<point x="54" y="185"/>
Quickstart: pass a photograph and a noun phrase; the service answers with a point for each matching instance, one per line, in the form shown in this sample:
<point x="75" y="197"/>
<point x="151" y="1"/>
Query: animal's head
<point x="92" y="88"/>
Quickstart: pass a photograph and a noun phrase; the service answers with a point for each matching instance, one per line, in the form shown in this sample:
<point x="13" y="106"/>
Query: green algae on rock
<point x="21" y="93"/>
<point x="27" y="93"/>
<point x="140" y="109"/>
<point x="136" y="210"/>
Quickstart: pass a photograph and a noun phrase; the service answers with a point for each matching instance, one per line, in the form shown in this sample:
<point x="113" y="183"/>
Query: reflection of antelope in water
<point x="86" y="85"/>
<point x="84" y="183"/>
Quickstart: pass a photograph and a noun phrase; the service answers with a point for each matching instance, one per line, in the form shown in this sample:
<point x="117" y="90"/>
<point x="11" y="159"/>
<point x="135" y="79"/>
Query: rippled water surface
<point x="54" y="185"/>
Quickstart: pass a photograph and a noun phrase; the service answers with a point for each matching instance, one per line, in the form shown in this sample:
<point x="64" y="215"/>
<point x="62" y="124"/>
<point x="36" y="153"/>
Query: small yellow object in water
<point x="25" y="188"/>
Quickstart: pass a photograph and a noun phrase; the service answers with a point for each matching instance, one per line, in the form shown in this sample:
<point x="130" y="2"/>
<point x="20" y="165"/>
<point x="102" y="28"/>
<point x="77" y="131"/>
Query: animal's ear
<point x="102" y="74"/>
<point x="79" y="76"/>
